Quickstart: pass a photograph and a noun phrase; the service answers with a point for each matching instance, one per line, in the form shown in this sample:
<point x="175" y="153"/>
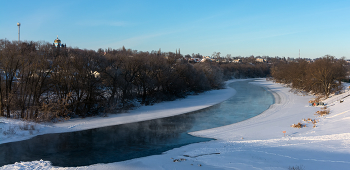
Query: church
<point x="57" y="43"/>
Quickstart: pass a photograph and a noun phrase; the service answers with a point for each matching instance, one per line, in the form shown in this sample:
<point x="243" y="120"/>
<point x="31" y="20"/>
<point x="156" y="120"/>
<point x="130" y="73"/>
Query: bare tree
<point x="326" y="74"/>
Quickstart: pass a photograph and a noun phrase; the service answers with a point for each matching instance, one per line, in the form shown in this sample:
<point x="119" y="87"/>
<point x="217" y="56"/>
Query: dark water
<point x="134" y="140"/>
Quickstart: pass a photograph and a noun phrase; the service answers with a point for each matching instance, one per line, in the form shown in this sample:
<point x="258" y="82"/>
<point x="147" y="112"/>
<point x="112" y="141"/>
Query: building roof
<point x="57" y="40"/>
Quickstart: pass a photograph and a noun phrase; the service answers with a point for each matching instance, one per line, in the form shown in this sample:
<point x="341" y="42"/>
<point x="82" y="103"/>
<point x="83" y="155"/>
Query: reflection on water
<point x="134" y="140"/>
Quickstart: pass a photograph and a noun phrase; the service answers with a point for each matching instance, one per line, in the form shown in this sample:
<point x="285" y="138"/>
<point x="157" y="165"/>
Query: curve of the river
<point x="134" y="140"/>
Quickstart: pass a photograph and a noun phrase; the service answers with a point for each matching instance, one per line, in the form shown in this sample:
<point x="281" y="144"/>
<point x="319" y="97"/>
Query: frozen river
<point x="134" y="140"/>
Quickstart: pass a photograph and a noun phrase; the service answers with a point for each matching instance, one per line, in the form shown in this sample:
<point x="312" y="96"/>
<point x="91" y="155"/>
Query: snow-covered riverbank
<point x="257" y="143"/>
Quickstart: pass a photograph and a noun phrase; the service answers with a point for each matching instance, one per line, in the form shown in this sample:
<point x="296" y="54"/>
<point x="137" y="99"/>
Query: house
<point x="237" y="61"/>
<point x="260" y="60"/>
<point x="96" y="74"/>
<point x="194" y="60"/>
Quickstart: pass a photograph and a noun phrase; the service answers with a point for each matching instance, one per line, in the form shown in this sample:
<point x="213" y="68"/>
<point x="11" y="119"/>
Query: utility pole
<point x="18" y="24"/>
<point x="299" y="53"/>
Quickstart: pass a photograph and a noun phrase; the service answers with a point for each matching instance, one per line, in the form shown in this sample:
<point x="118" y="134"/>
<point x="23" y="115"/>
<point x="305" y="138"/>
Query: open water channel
<point x="134" y="140"/>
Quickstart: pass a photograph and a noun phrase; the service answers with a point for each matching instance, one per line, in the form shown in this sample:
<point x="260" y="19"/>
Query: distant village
<point x="251" y="59"/>
<point x="197" y="58"/>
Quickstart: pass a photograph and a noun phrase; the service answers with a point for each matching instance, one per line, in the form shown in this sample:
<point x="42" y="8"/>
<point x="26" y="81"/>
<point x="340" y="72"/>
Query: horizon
<point x="273" y="28"/>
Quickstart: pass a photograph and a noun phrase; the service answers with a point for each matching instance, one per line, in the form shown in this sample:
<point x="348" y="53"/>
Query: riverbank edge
<point x="208" y="133"/>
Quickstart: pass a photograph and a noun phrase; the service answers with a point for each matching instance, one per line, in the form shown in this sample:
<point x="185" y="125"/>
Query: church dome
<point x="57" y="40"/>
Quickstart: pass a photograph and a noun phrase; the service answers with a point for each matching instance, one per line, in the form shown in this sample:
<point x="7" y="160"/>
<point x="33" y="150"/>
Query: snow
<point x="36" y="165"/>
<point x="256" y="143"/>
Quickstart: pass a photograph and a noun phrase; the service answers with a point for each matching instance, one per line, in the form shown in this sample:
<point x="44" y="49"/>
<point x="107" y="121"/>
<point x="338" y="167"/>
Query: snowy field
<point x="256" y="143"/>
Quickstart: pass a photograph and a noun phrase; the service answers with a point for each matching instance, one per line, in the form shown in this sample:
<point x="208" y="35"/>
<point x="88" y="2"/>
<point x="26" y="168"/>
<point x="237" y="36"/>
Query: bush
<point x="298" y="125"/>
<point x="323" y="111"/>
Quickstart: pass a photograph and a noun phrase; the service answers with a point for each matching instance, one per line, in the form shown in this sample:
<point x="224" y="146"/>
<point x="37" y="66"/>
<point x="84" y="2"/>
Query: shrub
<point x="299" y="125"/>
<point x="323" y="111"/>
<point x="308" y="120"/>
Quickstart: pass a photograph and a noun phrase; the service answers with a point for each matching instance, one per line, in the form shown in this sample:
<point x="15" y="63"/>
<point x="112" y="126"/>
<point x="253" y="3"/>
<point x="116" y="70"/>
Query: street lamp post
<point x="18" y="24"/>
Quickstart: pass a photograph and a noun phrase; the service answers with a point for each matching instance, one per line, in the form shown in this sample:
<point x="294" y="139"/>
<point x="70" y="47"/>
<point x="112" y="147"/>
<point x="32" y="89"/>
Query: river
<point x="135" y="140"/>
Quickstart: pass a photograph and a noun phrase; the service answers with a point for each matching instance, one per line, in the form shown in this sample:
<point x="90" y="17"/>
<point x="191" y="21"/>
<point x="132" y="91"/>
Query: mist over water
<point x="134" y="140"/>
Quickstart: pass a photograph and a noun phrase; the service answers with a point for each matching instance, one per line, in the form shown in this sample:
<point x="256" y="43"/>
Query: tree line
<point x="245" y="70"/>
<point x="41" y="82"/>
<point x="322" y="77"/>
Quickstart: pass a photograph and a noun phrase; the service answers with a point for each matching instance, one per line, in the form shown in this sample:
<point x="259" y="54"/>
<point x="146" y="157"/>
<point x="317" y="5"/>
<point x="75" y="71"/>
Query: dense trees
<point x="41" y="82"/>
<point x="323" y="76"/>
<point x="245" y="70"/>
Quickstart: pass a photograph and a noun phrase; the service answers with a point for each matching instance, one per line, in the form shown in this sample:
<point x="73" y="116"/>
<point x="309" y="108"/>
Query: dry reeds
<point x="298" y="125"/>
<point x="322" y="112"/>
<point x="314" y="121"/>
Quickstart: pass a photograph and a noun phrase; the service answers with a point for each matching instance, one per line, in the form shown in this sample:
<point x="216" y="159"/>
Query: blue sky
<point x="273" y="28"/>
